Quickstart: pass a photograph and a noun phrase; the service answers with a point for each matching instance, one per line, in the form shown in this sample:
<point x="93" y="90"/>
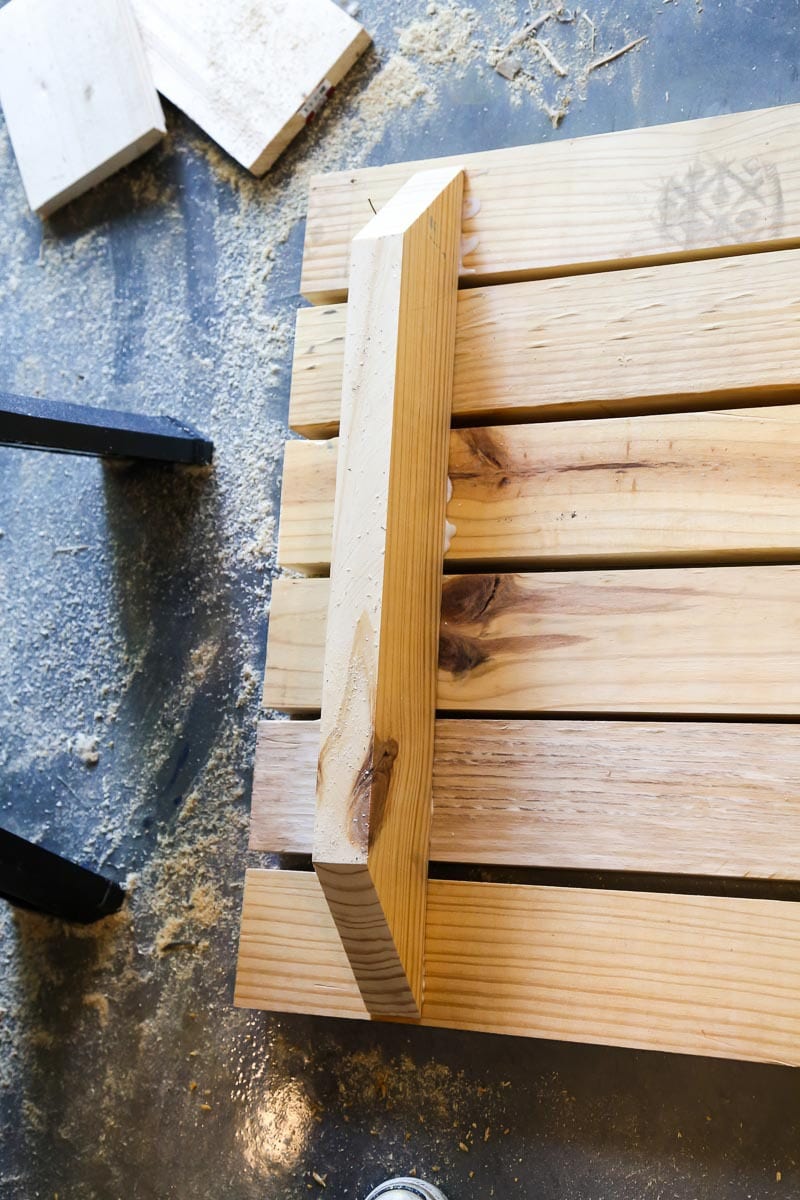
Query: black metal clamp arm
<point x="76" y="429"/>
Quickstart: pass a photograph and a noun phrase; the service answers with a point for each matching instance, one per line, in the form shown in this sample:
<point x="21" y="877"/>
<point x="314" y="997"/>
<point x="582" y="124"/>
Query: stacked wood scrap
<point x="616" y="601"/>
<point x="77" y="94"/>
<point x="251" y="75"/>
<point x="79" y="82"/>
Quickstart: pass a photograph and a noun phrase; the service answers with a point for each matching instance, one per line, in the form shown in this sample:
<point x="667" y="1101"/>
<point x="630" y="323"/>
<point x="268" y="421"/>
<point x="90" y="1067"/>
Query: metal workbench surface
<point x="133" y="606"/>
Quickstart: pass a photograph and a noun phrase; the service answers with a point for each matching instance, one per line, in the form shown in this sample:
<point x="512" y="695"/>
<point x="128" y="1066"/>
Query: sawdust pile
<point x="445" y="37"/>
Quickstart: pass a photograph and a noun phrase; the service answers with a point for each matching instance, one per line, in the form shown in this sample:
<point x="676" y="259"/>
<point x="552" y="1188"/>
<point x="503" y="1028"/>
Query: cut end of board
<point x="388" y="987"/>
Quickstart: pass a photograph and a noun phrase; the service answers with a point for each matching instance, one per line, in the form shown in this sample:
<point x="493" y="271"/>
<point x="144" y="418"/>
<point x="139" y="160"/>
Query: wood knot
<point x="459" y="655"/>
<point x="466" y="598"/>
<point x="369" y="798"/>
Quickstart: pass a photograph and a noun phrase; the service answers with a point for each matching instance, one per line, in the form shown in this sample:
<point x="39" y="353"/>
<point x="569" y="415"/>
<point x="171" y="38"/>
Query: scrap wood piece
<point x="615" y="54"/>
<point x="550" y="58"/>
<point x="251" y="74"/>
<point x="701" y="334"/>
<point x="710" y="975"/>
<point x="720" y="185"/>
<point x="77" y="95"/>
<point x="679" y="797"/>
<point x="682" y="641"/>
<point x="379" y="690"/>
<point x="717" y="486"/>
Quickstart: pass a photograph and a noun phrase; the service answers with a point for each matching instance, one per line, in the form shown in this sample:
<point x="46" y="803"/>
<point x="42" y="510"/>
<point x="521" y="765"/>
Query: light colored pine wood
<point x="316" y="387"/>
<point x="691" y="974"/>
<point x="660" y="489"/>
<point x="77" y="95"/>
<point x="686" y="798"/>
<point x="660" y="194"/>
<point x="284" y="797"/>
<point x="295" y="644"/>
<point x="698" y="640"/>
<point x="291" y="957"/>
<point x="688" y="335"/>
<point x="249" y="72"/>
<point x="308" y="487"/>
<point x="379" y="691"/>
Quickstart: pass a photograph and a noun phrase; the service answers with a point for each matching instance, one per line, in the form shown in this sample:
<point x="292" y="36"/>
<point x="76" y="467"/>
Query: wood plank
<point x="687" y="335"/>
<point x="689" y="974"/>
<point x="379" y="691"/>
<point x="693" y="798"/>
<point x="77" y="94"/>
<point x="298" y="613"/>
<point x="696" y="640"/>
<point x="316" y="387"/>
<point x="289" y="937"/>
<point x="717" y="486"/>
<point x="308" y="488"/>
<point x="663" y="194"/>
<point x="251" y="73"/>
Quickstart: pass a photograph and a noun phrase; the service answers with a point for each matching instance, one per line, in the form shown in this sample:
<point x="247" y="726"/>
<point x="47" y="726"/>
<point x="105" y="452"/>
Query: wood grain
<point x="295" y="644"/>
<point x="379" y="690"/>
<point x="713" y="486"/>
<point x="690" y="974"/>
<point x="687" y="335"/>
<point x="669" y="193"/>
<point x="308" y="488"/>
<point x="77" y="94"/>
<point x="685" y="798"/>
<point x="697" y="640"/>
<point x="251" y="73"/>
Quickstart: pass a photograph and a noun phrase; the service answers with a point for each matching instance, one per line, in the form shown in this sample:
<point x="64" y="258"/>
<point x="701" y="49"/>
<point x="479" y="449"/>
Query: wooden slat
<point x="689" y="974"/>
<point x="694" y="798"/>
<point x="681" y="336"/>
<point x="642" y="195"/>
<point x="379" y="691"/>
<point x="308" y="488"/>
<point x="715" y="485"/>
<point x="291" y="957"/>
<point x="77" y="95"/>
<point x="316" y="388"/>
<point x="251" y="73"/>
<point x="298" y="612"/>
<point x="704" y="640"/>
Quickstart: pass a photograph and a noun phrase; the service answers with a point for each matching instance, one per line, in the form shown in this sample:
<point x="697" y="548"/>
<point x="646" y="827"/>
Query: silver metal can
<point x="406" y="1189"/>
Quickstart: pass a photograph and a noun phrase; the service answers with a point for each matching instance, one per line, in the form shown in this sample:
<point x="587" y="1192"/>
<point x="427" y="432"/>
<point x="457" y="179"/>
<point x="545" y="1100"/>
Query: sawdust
<point x="84" y="747"/>
<point x="397" y="85"/>
<point x="98" y="1001"/>
<point x="446" y="37"/>
<point x="551" y="55"/>
<point x="419" y="1111"/>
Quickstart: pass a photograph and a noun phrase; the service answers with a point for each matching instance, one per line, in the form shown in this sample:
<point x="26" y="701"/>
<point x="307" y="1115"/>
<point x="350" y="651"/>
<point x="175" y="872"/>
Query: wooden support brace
<point x="379" y="689"/>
